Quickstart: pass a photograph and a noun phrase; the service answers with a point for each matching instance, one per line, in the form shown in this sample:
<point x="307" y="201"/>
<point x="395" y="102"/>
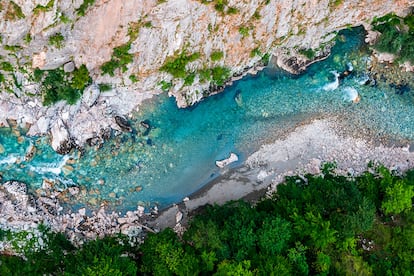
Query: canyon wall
<point x="211" y="40"/>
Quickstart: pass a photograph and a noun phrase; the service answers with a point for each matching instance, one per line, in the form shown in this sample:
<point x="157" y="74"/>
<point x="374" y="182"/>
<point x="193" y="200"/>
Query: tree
<point x="398" y="198"/>
<point x="274" y="235"/>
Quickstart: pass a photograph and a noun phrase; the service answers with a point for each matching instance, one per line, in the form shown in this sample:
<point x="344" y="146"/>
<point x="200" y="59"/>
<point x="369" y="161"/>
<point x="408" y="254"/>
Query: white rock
<point x="225" y="162"/>
<point x="262" y="175"/>
<point x="61" y="141"/>
<point x="178" y="217"/>
<point x="82" y="212"/>
<point x="91" y="95"/>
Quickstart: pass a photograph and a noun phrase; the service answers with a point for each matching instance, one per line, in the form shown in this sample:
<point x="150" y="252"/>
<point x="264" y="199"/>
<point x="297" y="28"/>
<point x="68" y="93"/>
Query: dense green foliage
<point x="314" y="225"/>
<point x="397" y="36"/>
<point x="56" y="85"/>
<point x="120" y="59"/>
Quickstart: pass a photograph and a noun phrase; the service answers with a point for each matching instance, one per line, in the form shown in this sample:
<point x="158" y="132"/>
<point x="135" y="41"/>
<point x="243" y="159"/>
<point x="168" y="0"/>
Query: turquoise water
<point x="178" y="155"/>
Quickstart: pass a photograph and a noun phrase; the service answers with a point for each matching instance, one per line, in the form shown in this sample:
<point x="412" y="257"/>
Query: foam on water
<point x="177" y="156"/>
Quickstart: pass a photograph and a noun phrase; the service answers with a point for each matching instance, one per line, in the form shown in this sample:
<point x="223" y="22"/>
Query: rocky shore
<point x="299" y="152"/>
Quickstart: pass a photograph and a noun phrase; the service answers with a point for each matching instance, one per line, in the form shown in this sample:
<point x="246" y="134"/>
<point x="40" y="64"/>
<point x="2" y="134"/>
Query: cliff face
<point x="204" y="39"/>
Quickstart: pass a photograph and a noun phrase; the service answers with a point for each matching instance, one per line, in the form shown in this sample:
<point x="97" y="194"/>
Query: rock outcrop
<point x="146" y="34"/>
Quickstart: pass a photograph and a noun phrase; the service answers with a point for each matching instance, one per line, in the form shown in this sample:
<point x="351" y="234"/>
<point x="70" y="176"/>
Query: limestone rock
<point x="61" y="141"/>
<point x="69" y="67"/>
<point x="90" y="95"/>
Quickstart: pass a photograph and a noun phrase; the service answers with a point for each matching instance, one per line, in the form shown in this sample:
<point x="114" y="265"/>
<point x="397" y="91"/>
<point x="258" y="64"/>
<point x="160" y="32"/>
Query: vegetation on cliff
<point x="57" y="85"/>
<point x="397" y="36"/>
<point x="325" y="224"/>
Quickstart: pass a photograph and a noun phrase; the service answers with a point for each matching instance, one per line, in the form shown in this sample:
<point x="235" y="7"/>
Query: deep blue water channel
<point x="178" y="155"/>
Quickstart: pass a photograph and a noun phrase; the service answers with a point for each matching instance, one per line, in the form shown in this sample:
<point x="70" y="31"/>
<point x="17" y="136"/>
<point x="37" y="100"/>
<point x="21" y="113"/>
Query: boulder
<point x="123" y="123"/>
<point x="61" y="142"/>
<point x="91" y="95"/>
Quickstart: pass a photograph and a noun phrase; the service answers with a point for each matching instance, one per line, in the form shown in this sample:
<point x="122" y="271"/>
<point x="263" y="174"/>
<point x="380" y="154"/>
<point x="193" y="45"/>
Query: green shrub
<point x="133" y="78"/>
<point x="6" y="66"/>
<point x="84" y="6"/>
<point x="395" y="38"/>
<point x="120" y="59"/>
<point x="104" y="87"/>
<point x="217" y="55"/>
<point x="58" y="85"/>
<point x="81" y="78"/>
<point x="232" y="10"/>
<point x="309" y="53"/>
<point x="189" y="79"/>
<point x="266" y="58"/>
<point x="255" y="52"/>
<point x="12" y="48"/>
<point x="219" y="75"/>
<point x="56" y="40"/>
<point x="27" y="38"/>
<point x="244" y="31"/>
<point x="165" y="86"/>
<point x="176" y="66"/>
